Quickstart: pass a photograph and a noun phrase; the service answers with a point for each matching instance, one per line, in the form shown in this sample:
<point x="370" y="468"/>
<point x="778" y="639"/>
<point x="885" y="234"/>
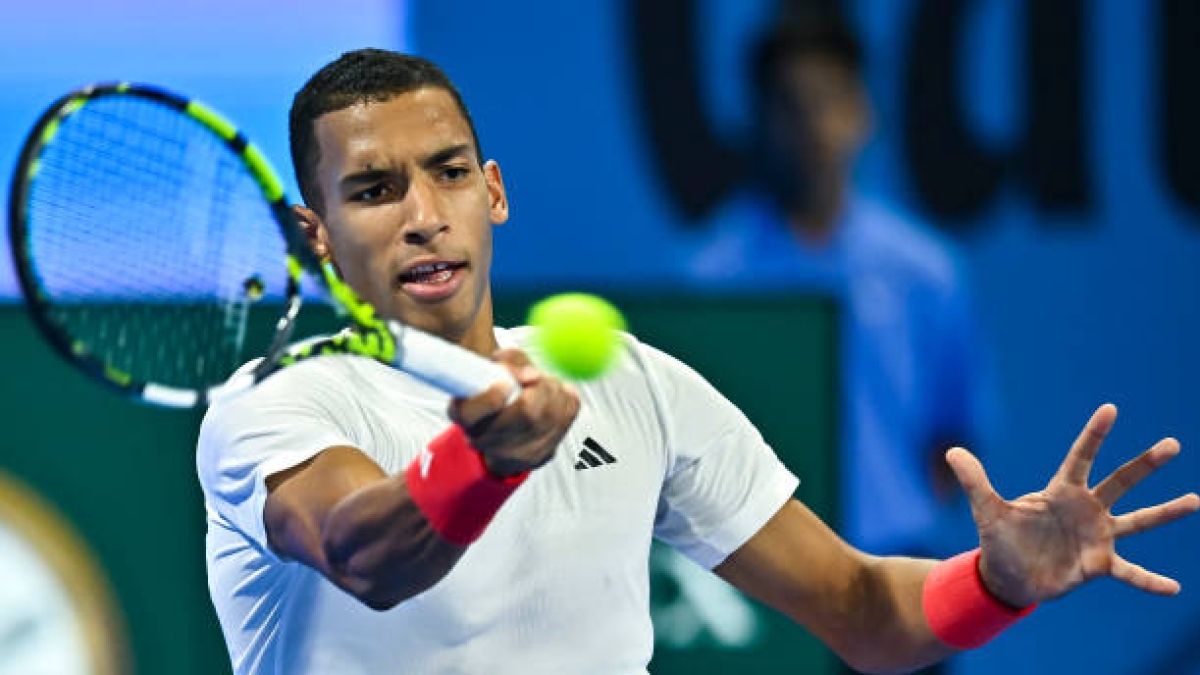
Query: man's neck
<point x="480" y="337"/>
<point x="816" y="220"/>
<point x="484" y="343"/>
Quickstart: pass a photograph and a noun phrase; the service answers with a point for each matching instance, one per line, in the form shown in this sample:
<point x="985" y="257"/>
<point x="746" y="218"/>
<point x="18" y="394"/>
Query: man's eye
<point x="455" y="173"/>
<point x="370" y="194"/>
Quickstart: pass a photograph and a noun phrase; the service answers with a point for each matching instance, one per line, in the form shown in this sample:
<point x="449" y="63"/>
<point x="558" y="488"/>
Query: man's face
<point x="816" y="119"/>
<point x="408" y="210"/>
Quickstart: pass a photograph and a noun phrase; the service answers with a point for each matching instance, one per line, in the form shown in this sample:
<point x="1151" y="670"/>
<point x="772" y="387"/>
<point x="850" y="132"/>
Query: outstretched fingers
<point x="1141" y="578"/>
<point x="1155" y="516"/>
<point x="1111" y="489"/>
<point x="1078" y="462"/>
<point x="986" y="505"/>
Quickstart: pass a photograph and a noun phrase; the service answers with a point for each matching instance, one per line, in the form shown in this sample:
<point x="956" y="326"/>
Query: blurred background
<point x="1042" y="159"/>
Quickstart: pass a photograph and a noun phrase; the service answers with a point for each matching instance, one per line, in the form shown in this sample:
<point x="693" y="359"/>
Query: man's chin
<point x="438" y="318"/>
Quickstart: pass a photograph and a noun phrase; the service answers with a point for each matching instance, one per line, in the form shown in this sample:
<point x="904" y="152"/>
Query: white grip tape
<point x="454" y="370"/>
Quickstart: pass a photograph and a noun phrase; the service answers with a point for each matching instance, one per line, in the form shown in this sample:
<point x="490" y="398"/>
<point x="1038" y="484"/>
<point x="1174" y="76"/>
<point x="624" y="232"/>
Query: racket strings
<point x="144" y="229"/>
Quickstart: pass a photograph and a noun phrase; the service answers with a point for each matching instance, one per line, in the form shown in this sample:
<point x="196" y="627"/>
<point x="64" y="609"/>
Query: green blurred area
<point x="124" y="475"/>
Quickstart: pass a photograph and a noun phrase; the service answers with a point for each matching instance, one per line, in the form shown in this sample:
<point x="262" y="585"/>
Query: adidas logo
<point x="593" y="456"/>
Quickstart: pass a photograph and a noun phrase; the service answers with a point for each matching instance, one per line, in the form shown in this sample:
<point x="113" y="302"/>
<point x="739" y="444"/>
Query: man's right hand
<point x="520" y="436"/>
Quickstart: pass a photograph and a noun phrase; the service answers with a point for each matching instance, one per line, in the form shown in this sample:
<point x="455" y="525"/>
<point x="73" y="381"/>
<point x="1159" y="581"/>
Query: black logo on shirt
<point x="593" y="456"/>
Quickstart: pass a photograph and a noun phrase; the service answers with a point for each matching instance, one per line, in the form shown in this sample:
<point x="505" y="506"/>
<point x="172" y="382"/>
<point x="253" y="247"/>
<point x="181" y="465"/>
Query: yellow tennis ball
<point x="577" y="334"/>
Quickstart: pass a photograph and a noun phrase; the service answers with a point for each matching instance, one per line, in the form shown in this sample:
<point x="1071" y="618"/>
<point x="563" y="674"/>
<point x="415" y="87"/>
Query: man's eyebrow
<point x="446" y="154"/>
<point x="364" y="176"/>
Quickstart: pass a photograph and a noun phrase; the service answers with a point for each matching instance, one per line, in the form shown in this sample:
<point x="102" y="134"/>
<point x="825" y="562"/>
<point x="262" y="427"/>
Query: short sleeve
<point x="286" y="420"/>
<point x="723" y="482"/>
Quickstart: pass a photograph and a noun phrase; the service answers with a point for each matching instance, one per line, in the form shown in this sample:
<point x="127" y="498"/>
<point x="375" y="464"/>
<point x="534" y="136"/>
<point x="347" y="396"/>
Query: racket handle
<point x="454" y="370"/>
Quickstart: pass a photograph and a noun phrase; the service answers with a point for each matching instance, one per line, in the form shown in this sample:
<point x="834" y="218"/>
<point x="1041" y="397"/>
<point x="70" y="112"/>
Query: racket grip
<point x="456" y="371"/>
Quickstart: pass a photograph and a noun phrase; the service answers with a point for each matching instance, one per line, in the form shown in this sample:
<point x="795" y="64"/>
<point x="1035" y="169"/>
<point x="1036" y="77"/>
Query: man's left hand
<point x="1044" y="544"/>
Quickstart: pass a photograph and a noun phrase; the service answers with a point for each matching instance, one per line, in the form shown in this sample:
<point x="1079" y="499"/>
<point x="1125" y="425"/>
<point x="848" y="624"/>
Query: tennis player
<point x="359" y="521"/>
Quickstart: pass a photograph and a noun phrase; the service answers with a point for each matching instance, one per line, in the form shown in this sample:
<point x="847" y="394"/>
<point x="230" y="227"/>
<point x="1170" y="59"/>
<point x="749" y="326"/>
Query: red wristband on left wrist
<point x="960" y="610"/>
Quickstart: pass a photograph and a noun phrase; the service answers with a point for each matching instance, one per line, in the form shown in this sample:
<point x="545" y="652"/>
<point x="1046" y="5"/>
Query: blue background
<point x="1080" y="309"/>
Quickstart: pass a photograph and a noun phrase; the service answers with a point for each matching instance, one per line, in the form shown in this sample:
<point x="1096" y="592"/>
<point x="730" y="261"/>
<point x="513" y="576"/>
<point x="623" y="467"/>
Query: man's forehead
<point x="414" y="123"/>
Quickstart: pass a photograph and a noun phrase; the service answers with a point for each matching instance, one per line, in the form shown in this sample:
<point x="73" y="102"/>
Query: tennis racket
<point x="150" y="237"/>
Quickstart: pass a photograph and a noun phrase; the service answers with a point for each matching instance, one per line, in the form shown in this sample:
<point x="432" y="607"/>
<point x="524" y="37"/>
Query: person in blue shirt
<point x="916" y="380"/>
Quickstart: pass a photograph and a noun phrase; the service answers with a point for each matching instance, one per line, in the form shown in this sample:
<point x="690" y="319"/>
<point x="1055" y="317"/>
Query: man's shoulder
<point x="733" y="242"/>
<point x="326" y="383"/>
<point x="298" y="378"/>
<point x="887" y="237"/>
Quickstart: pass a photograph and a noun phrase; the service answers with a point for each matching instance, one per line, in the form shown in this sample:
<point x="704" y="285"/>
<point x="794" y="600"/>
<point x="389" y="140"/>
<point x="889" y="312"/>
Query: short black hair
<point x="826" y="34"/>
<point x="360" y="76"/>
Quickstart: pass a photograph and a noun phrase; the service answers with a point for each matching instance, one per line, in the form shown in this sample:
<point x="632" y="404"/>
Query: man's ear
<point x="497" y="197"/>
<point x="314" y="231"/>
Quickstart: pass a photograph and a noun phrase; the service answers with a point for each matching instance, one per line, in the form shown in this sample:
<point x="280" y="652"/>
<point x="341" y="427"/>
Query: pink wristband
<point x="960" y="610"/>
<point x="451" y="485"/>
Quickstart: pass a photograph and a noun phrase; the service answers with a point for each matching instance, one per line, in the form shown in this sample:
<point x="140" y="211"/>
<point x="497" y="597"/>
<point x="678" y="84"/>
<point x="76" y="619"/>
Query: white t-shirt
<point x="558" y="583"/>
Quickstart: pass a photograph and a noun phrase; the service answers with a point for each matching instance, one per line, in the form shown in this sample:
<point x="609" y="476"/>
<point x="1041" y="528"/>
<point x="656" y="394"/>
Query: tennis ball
<point x="577" y="334"/>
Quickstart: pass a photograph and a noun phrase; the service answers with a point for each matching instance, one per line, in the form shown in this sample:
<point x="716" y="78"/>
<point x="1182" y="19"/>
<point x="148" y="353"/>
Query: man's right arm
<point x="342" y="515"/>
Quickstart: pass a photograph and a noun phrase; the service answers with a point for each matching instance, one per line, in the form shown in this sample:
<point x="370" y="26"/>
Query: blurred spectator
<point x="915" y="382"/>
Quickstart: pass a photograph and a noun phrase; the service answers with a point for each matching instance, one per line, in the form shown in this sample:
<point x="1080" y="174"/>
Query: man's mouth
<point x="432" y="281"/>
<point x="430" y="273"/>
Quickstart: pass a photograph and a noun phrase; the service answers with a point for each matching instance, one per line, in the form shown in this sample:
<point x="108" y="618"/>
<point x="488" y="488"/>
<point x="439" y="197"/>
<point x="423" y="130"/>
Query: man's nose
<point x="426" y="219"/>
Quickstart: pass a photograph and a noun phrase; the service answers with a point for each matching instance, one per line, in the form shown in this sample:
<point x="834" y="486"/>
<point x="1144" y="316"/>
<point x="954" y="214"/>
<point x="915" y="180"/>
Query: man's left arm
<point x="866" y="609"/>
